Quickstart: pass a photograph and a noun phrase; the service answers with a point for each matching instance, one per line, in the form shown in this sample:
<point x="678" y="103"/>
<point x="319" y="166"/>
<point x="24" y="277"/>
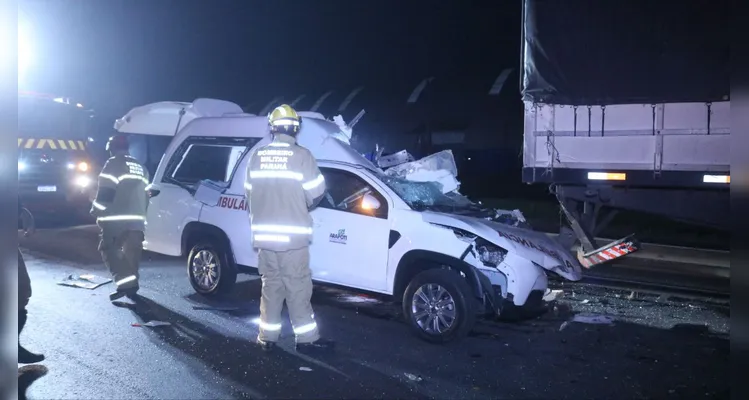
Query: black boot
<point x="25" y="356"/>
<point x="318" y="346"/>
<point x="266" y="345"/>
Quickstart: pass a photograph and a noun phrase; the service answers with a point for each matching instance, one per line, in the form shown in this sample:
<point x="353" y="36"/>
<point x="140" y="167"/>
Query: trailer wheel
<point x="438" y="305"/>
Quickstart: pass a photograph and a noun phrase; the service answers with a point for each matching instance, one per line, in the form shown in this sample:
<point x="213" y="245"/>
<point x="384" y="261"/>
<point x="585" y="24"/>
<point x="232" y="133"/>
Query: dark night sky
<point x="116" y="54"/>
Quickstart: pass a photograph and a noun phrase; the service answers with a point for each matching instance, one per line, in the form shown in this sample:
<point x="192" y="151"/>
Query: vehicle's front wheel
<point x="210" y="270"/>
<point x="439" y="305"/>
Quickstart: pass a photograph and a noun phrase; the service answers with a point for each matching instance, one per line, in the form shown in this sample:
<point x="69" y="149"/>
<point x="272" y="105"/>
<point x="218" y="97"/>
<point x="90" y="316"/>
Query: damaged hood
<point x="531" y="245"/>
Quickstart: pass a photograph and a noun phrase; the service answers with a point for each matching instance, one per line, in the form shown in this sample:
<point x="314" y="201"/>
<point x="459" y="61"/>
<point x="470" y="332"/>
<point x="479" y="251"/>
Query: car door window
<point x="214" y="160"/>
<point x="345" y="191"/>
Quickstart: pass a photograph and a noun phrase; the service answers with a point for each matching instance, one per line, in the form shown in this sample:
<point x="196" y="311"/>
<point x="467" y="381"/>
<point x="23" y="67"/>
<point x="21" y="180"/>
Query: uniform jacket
<point x="283" y="184"/>
<point x="121" y="199"/>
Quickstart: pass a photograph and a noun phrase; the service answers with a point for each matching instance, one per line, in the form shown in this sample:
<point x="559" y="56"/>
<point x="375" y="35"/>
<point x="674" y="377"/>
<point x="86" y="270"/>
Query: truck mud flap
<point x="610" y="252"/>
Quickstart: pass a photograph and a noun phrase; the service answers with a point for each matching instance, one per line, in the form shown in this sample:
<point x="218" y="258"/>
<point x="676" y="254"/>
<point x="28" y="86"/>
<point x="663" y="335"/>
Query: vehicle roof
<point x="316" y="135"/>
<point x="163" y="118"/>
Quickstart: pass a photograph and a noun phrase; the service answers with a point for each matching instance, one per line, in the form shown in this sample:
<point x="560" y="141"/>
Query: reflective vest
<point x="121" y="198"/>
<point x="283" y="183"/>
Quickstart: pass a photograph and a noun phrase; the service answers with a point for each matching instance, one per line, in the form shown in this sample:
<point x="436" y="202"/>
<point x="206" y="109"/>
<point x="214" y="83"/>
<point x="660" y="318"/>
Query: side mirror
<point x="369" y="202"/>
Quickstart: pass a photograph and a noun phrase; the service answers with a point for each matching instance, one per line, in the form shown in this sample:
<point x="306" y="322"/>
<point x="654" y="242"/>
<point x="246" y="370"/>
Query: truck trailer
<point x="626" y="107"/>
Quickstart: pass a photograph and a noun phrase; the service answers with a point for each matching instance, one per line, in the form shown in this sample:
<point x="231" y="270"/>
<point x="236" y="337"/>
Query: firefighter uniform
<point x="283" y="184"/>
<point x="120" y="210"/>
<point x="24" y="295"/>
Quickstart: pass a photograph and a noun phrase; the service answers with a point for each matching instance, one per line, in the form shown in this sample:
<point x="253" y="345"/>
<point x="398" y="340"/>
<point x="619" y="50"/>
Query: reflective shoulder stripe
<point x="309" y="185"/>
<point x="132" y="176"/>
<point x="99" y="206"/>
<point x="109" y="177"/>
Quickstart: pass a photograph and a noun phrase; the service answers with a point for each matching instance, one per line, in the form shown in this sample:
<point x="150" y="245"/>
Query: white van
<point x="438" y="254"/>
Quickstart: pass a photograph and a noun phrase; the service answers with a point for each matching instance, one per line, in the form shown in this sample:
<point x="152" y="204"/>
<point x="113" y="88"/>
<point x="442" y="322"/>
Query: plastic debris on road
<point x="211" y="308"/>
<point x="86" y="281"/>
<point x="593" y="319"/>
<point x="305" y="369"/>
<point x="151" y="324"/>
<point x="552" y="295"/>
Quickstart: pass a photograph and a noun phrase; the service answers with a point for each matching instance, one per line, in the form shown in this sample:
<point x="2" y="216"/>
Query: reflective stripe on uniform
<point x="121" y="218"/>
<point x="98" y="206"/>
<point x="110" y="177"/>
<point x="309" y="185"/>
<point x="269" y="327"/>
<point x="125" y="280"/>
<point x="121" y="178"/>
<point x="278" y="144"/>
<point x="282" y="229"/>
<point x="306" y="328"/>
<point x="272" y="238"/>
<point x="276" y="174"/>
<point x="132" y="176"/>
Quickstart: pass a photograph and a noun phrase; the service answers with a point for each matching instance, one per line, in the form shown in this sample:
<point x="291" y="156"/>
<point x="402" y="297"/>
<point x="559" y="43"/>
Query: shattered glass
<point x="442" y="160"/>
<point x="438" y="167"/>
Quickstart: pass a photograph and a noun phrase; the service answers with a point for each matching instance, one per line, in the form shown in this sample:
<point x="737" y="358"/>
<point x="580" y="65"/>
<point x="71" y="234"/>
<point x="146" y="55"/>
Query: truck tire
<point x="440" y="295"/>
<point x="210" y="268"/>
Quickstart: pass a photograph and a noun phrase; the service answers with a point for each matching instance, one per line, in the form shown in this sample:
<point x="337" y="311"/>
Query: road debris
<point x="151" y="324"/>
<point x="552" y="295"/>
<point x="86" y="281"/>
<point x="412" y="377"/>
<point x="211" y="308"/>
<point x="306" y="369"/>
<point x="595" y="319"/>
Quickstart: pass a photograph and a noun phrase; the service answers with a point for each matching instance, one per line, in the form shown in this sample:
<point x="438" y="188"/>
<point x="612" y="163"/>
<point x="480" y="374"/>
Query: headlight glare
<point x="83" y="181"/>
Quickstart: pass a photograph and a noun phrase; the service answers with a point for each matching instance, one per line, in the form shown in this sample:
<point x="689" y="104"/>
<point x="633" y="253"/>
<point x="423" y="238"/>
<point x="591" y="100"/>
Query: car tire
<point x="463" y="305"/>
<point x="208" y="256"/>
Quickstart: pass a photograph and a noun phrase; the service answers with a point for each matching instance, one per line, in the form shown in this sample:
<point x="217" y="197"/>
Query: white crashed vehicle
<point x="435" y="252"/>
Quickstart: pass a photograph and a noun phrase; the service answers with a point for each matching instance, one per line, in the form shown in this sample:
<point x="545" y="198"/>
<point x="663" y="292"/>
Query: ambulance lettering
<point x="234" y="203"/>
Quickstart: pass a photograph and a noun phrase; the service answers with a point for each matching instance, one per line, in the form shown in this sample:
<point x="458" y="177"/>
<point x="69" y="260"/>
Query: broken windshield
<point x="422" y="196"/>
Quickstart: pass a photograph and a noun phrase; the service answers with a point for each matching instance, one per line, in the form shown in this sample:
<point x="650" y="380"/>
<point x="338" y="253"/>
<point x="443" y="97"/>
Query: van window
<point x="345" y="191"/>
<point x="213" y="160"/>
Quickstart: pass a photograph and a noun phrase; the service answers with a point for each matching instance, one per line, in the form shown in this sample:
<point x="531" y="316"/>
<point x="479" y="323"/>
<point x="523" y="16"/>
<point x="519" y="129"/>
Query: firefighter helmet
<point x="284" y="119"/>
<point x="118" y="143"/>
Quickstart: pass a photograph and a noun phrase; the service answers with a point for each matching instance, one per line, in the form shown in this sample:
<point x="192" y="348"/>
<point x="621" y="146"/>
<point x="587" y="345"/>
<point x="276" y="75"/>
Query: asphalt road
<point x="655" y="347"/>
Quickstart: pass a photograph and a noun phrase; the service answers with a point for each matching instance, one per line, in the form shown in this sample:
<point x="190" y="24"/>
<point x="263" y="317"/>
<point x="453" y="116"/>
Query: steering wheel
<point x="329" y="199"/>
<point x="344" y="204"/>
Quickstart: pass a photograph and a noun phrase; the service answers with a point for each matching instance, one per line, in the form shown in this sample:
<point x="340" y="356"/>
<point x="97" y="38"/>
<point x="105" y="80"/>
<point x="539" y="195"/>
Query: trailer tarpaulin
<point x="598" y="52"/>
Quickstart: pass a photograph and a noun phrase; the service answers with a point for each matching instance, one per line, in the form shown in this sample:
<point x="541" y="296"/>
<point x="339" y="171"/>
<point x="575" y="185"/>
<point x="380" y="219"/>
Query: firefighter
<point x="283" y="185"/>
<point x="24" y="294"/>
<point x="120" y="211"/>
